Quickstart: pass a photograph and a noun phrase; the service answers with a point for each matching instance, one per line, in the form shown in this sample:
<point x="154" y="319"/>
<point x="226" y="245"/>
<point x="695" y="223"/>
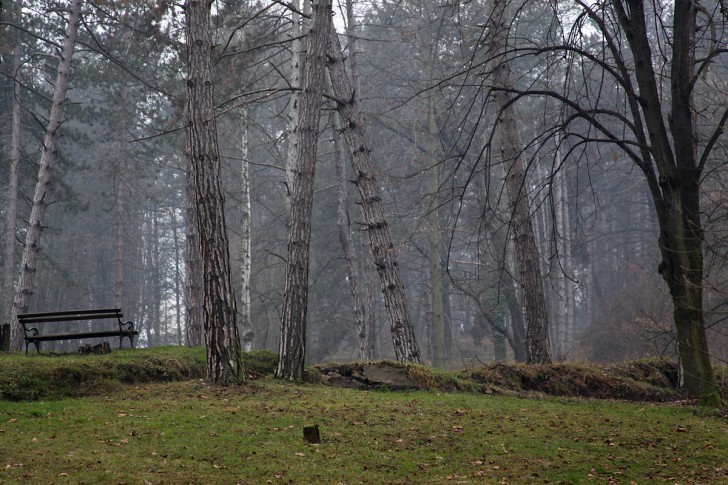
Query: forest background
<point x="115" y="231"/>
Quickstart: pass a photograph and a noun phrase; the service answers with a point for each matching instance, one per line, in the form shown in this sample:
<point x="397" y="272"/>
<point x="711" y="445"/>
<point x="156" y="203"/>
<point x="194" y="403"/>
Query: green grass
<point x="131" y="428"/>
<point x="188" y="432"/>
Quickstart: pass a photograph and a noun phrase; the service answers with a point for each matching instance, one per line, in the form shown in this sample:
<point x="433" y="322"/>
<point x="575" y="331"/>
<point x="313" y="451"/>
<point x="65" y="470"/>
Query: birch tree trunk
<point x="403" y="337"/>
<point x="224" y="362"/>
<point x="31" y="250"/>
<point x="245" y="325"/>
<point x="527" y="260"/>
<point x="292" y="345"/>
<point x="11" y="203"/>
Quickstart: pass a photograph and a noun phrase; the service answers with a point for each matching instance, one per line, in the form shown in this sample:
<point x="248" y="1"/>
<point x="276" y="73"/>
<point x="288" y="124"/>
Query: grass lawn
<point x="188" y="432"/>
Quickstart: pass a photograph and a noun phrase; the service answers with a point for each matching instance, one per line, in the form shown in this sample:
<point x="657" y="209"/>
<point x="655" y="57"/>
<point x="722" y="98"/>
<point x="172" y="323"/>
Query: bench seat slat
<point x="77" y="336"/>
<point x="68" y="318"/>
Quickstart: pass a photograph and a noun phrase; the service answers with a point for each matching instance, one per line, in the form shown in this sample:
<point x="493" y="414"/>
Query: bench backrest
<point x="71" y="315"/>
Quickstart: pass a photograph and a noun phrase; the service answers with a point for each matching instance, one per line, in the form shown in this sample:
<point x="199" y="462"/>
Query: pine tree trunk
<point x="368" y="280"/>
<point x="224" y="361"/>
<point x="11" y="203"/>
<point x="31" y="250"/>
<point x="527" y="260"/>
<point x="403" y="337"/>
<point x="194" y="295"/>
<point x="294" y="103"/>
<point x="343" y="223"/>
<point x="292" y="345"/>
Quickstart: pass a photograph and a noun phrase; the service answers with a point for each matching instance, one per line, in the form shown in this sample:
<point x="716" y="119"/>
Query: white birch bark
<point x="246" y="330"/>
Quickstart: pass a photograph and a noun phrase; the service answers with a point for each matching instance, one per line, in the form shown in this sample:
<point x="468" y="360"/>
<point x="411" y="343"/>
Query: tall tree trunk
<point x="224" y="361"/>
<point x="436" y="295"/>
<point x="31" y="250"/>
<point x="177" y="274"/>
<point x="368" y="280"/>
<point x="294" y="102"/>
<point x="11" y="203"/>
<point x="194" y="295"/>
<point x="527" y="260"/>
<point x="673" y="172"/>
<point x="403" y="337"/>
<point x="343" y="223"/>
<point x="246" y="329"/>
<point x="122" y="168"/>
<point x="292" y="345"/>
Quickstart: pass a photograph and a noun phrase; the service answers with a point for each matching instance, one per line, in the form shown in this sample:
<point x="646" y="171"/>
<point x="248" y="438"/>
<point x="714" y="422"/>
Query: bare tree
<point x="224" y="361"/>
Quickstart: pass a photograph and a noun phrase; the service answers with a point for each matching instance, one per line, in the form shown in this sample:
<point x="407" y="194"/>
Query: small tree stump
<point x="311" y="434"/>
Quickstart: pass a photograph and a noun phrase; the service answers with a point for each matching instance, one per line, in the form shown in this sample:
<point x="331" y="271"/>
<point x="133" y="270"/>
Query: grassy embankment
<point x="187" y="432"/>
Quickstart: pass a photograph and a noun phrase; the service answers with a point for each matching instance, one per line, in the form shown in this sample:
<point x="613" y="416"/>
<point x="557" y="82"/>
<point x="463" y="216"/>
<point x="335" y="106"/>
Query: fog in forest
<point x="426" y="76"/>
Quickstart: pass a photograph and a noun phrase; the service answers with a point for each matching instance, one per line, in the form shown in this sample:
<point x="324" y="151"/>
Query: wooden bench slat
<point x="78" y="336"/>
<point x="70" y="318"/>
<point x="75" y="314"/>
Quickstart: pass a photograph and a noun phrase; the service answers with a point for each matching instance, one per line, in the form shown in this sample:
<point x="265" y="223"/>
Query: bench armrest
<point x="126" y="326"/>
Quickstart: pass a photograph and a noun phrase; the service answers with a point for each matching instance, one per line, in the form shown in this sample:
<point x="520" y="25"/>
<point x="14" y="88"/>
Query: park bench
<point x="30" y="322"/>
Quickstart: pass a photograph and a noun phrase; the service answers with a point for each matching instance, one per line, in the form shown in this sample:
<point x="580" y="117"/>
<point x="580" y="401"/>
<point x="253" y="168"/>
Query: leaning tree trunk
<point x="529" y="269"/>
<point x="292" y="345"/>
<point x="403" y="336"/>
<point x="343" y="223"/>
<point x="31" y="250"/>
<point x="224" y="362"/>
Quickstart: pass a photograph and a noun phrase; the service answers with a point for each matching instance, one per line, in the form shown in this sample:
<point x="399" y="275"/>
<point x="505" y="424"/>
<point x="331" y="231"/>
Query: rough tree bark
<point x="292" y="344"/>
<point x="403" y="337"/>
<point x="193" y="268"/>
<point x="343" y="223"/>
<point x="294" y="102"/>
<point x="527" y="260"/>
<point x="224" y="361"/>
<point x="31" y="250"/>
<point x="368" y="279"/>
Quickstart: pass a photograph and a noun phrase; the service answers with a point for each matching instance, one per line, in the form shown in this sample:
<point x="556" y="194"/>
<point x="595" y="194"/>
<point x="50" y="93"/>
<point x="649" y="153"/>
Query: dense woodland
<point x="489" y="124"/>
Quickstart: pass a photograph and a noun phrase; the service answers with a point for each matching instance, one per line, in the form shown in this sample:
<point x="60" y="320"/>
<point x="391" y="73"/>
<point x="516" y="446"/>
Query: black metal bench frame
<point x="33" y="336"/>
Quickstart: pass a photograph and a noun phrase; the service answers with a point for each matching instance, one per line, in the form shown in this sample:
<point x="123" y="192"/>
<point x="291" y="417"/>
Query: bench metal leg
<point x="27" y="344"/>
